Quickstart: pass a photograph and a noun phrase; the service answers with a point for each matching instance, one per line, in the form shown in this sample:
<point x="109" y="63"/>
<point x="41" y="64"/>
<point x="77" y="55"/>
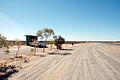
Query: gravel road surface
<point x="92" y="61"/>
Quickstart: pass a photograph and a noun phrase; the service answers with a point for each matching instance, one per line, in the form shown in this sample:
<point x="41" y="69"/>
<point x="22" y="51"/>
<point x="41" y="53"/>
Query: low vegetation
<point x="46" y="34"/>
<point x="4" y="43"/>
<point x="59" y="41"/>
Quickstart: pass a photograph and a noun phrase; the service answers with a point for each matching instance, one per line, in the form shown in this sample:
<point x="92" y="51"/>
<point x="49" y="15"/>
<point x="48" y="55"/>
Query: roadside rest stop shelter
<point x="30" y="38"/>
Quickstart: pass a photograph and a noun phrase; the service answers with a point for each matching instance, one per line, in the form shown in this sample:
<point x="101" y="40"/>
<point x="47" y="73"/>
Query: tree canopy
<point x="59" y="41"/>
<point x="3" y="41"/>
<point x="45" y="33"/>
<point x="40" y="34"/>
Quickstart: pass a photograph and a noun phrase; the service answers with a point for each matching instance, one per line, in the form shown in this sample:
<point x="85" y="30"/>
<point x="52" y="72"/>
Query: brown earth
<point x="91" y="61"/>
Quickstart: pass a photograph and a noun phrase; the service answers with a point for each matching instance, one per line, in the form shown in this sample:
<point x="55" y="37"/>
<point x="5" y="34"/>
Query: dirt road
<point x="84" y="62"/>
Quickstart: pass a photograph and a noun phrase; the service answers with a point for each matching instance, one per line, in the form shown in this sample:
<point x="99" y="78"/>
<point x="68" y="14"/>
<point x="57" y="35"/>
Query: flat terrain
<point x="24" y="50"/>
<point x="91" y="61"/>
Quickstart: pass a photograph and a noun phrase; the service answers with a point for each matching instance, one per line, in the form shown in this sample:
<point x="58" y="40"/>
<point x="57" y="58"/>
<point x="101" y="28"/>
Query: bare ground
<point x="92" y="61"/>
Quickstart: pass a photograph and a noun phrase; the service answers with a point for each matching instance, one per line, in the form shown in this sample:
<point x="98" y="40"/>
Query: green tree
<point x="48" y="32"/>
<point x="59" y="41"/>
<point x="40" y="34"/>
<point x="51" y="34"/>
<point x="4" y="43"/>
<point x="45" y="33"/>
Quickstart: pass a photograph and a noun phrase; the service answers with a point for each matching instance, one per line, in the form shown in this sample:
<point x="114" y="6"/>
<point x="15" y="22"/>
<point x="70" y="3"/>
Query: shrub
<point x="59" y="41"/>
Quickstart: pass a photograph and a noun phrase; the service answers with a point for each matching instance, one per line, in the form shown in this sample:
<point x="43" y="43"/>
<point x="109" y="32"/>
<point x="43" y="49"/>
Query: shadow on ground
<point x="42" y="56"/>
<point x="4" y="78"/>
<point x="57" y="53"/>
<point x="6" y="71"/>
<point x="116" y="44"/>
<point x="67" y="49"/>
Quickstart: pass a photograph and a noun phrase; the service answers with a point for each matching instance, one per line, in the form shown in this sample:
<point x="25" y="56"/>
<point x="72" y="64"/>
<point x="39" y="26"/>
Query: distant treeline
<point x="67" y="42"/>
<point x="70" y="42"/>
<point x="13" y="42"/>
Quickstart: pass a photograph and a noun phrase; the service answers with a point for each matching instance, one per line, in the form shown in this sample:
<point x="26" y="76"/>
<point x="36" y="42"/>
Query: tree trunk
<point x="35" y="51"/>
<point x="51" y="47"/>
<point x="43" y="49"/>
<point x="17" y="52"/>
<point x="44" y="46"/>
<point x="58" y="46"/>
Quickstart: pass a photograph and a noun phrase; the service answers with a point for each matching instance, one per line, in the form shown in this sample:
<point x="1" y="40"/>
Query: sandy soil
<point x="30" y="55"/>
<point x="94" y="61"/>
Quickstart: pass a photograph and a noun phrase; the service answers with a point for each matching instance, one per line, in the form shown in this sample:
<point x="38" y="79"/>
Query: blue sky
<point x="87" y="20"/>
